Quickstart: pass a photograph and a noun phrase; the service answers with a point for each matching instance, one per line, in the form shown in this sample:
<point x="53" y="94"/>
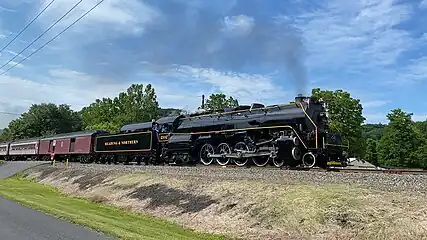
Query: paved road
<point x="21" y="223"/>
<point x="8" y="169"/>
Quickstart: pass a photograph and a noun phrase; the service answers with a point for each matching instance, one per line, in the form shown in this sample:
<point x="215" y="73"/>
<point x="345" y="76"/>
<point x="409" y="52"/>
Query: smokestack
<point x="203" y="101"/>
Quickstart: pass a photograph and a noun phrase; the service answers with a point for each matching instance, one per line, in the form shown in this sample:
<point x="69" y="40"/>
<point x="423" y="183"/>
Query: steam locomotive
<point x="281" y="135"/>
<point x="290" y="135"/>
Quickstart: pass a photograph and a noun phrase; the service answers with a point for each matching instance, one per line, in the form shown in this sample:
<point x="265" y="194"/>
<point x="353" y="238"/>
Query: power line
<point x="38" y="15"/>
<point x="29" y="45"/>
<point x="78" y="19"/>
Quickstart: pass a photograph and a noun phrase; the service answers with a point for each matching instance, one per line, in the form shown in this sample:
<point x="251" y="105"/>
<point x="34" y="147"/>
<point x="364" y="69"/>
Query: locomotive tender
<point x="282" y="135"/>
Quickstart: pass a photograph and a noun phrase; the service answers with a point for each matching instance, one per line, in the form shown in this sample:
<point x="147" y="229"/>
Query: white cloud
<point x="415" y="71"/>
<point x="416" y="117"/>
<point x="376" y="118"/>
<point x="6" y="9"/>
<point x="13" y="53"/>
<point x="381" y="117"/>
<point x="423" y="4"/>
<point x="124" y="17"/>
<point x="245" y="87"/>
<point x="356" y="35"/>
<point x="240" y="25"/>
<point x="13" y="63"/>
<point x="375" y="103"/>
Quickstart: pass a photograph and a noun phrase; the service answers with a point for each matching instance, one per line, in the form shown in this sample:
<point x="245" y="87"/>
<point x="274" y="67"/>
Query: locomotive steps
<point x="256" y="203"/>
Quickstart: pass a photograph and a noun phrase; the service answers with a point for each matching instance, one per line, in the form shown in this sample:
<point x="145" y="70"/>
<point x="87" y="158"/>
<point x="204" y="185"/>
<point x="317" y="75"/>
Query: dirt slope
<point x="252" y="209"/>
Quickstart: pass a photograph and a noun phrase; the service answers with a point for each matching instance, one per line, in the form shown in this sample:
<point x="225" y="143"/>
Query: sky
<point x="254" y="50"/>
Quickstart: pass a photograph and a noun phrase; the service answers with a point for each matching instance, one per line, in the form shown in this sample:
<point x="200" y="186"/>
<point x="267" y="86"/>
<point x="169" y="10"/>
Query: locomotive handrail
<point x="311" y="120"/>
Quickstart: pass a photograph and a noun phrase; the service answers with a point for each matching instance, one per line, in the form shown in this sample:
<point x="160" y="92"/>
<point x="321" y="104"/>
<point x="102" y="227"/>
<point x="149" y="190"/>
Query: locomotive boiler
<point x="283" y="135"/>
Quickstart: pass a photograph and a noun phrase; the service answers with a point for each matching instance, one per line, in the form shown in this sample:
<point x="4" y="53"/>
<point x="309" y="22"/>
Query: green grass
<point x="101" y="217"/>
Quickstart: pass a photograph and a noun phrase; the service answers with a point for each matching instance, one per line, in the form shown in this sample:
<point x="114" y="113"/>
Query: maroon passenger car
<point x="76" y="146"/>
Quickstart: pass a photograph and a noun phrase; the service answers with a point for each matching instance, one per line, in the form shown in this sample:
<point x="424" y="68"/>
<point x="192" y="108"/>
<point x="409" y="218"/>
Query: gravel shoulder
<point x="256" y="203"/>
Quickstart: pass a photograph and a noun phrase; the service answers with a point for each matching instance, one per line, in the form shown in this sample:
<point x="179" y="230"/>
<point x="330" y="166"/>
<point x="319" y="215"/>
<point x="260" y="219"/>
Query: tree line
<point x="401" y="142"/>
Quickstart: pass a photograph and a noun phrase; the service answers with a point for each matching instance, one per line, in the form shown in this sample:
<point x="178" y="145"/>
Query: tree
<point x="5" y="135"/>
<point x="399" y="142"/>
<point x="135" y="105"/>
<point x="420" y="153"/>
<point x="43" y="119"/>
<point x="220" y="101"/>
<point x="345" y="117"/>
<point x="371" y="151"/>
<point x="374" y="131"/>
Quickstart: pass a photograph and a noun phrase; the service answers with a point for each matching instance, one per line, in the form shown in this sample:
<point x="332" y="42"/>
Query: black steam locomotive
<point x="291" y="135"/>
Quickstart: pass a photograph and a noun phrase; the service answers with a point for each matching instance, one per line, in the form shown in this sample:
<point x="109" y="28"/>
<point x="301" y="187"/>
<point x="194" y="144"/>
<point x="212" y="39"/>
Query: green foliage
<point x="5" y="135"/>
<point x="397" y="145"/>
<point x="371" y="151"/>
<point x="374" y="131"/>
<point x="345" y="117"/>
<point x="420" y="153"/>
<point x="41" y="120"/>
<point x="135" y="105"/>
<point x="220" y="101"/>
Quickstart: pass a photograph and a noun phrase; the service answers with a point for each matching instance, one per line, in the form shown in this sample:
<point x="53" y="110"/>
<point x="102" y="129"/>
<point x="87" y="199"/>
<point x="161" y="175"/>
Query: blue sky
<point x="256" y="50"/>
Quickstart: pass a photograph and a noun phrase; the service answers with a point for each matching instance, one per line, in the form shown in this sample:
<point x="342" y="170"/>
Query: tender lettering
<point x="118" y="143"/>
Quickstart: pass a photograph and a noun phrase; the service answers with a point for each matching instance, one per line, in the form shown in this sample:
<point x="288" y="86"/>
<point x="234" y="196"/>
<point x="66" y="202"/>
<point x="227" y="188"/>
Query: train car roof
<point x="136" y="126"/>
<point x="168" y="119"/>
<point x="73" y="134"/>
<point x="25" y="140"/>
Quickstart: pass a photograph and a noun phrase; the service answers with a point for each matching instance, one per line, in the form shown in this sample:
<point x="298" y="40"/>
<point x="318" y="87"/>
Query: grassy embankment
<point x="108" y="219"/>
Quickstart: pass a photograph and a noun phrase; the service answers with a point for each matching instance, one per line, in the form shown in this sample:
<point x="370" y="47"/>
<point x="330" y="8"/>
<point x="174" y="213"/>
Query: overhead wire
<point x="41" y="35"/>
<point x="44" y="45"/>
<point x="28" y="25"/>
